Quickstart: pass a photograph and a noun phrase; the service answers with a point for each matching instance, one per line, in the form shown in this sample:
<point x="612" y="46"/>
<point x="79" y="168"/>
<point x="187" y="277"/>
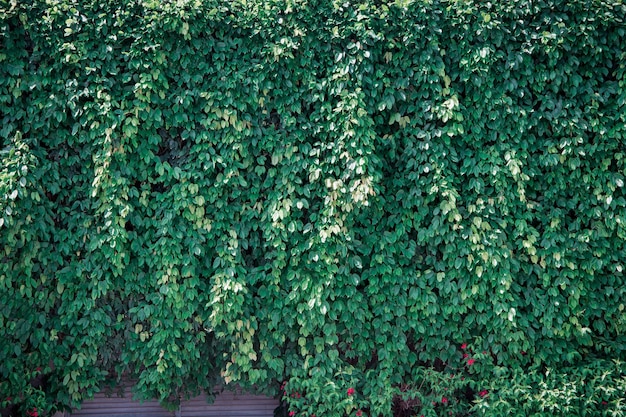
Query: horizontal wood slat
<point x="227" y="404"/>
<point x="230" y="404"/>
<point x="108" y="406"/>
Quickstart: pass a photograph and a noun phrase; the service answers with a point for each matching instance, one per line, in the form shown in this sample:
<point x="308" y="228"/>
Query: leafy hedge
<point x="412" y="208"/>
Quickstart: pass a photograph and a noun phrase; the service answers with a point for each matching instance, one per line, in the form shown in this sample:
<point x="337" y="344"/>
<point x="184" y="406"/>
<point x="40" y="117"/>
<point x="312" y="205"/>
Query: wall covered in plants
<point x="370" y="208"/>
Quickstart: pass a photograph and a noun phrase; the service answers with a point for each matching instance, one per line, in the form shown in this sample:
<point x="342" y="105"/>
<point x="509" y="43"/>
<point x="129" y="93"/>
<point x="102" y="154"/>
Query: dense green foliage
<point x="406" y="208"/>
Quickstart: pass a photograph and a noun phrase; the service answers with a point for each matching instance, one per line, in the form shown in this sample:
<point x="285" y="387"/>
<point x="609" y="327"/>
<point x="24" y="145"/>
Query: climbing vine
<point x="365" y="208"/>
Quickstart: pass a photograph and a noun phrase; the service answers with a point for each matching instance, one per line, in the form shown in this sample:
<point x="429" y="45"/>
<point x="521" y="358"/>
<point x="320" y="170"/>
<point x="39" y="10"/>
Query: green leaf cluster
<point x="416" y="200"/>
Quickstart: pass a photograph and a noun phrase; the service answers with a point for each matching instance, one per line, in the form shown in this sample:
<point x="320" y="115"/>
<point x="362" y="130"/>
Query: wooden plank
<point x="230" y="404"/>
<point x="115" y="406"/>
<point x="227" y="404"/>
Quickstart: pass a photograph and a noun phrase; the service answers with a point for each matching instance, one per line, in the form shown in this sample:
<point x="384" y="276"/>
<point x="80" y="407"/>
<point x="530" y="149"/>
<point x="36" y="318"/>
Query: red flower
<point x="465" y="355"/>
<point x="604" y="403"/>
<point x="470" y="362"/>
<point x="464" y="346"/>
<point x="359" y="413"/>
<point x="444" y="400"/>
<point x="483" y="393"/>
<point x="292" y="413"/>
<point x="33" y="413"/>
<point x="350" y="391"/>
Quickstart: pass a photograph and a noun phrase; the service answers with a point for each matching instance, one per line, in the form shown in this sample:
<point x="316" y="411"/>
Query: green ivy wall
<point x="386" y="208"/>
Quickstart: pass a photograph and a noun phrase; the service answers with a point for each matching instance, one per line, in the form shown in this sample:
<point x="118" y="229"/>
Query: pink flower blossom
<point x="444" y="400"/>
<point x="470" y="362"/>
<point x="464" y="346"/>
<point x="350" y="391"/>
<point x="483" y="393"/>
<point x="359" y="413"/>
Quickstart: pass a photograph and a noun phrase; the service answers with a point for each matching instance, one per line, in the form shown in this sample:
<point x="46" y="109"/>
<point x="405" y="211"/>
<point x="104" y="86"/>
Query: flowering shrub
<point x="595" y="389"/>
<point x="32" y="401"/>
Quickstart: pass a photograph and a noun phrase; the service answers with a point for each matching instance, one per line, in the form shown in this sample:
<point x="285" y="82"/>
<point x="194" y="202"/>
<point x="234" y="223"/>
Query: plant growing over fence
<point x="394" y="208"/>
